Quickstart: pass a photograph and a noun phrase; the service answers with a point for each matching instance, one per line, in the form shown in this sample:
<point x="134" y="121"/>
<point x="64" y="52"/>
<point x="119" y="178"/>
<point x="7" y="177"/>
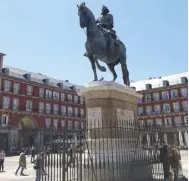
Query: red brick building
<point x="165" y="105"/>
<point x="33" y="101"/>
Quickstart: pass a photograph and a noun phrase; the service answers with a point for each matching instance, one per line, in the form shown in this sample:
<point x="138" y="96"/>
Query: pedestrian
<point x="2" y="159"/>
<point x="38" y="167"/>
<point x="22" y="162"/>
<point x="32" y="154"/>
<point x="164" y="158"/>
<point x="175" y="158"/>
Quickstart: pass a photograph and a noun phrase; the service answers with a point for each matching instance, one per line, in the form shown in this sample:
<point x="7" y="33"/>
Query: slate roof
<point x="38" y="78"/>
<point x="157" y="82"/>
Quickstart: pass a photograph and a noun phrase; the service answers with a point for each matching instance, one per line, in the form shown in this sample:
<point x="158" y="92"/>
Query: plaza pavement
<point x="11" y="164"/>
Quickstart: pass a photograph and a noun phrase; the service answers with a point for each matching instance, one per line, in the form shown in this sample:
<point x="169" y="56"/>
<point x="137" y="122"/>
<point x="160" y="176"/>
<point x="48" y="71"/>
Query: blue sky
<point x="44" y="36"/>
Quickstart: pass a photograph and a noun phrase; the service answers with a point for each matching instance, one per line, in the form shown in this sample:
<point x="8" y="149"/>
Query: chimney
<point x="184" y="80"/>
<point x="1" y="61"/>
<point x="148" y="86"/>
<point x="60" y="84"/>
<point x="165" y="83"/>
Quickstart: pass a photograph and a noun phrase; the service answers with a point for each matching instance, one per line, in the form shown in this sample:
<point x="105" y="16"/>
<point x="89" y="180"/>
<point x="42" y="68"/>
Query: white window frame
<point x="62" y="97"/>
<point x="164" y="106"/>
<point x="55" y="123"/>
<point x="184" y="92"/>
<point x="185" y="106"/>
<point x="4" y="120"/>
<point x="15" y="104"/>
<point x="48" y="123"/>
<point x="76" y="111"/>
<point x="63" y="110"/>
<point x="55" y="95"/>
<point x="168" y="121"/>
<point x="6" y="102"/>
<point x="48" y="94"/>
<point x="29" y="108"/>
<point x="172" y="93"/>
<point x="159" y="121"/>
<point x="41" y="92"/>
<point x="70" y="111"/>
<point x="186" y="120"/>
<point x="165" y="97"/>
<point x="176" y="108"/>
<point x="141" y="123"/>
<point x="178" y="118"/>
<point x="147" y="111"/>
<point x="81" y="100"/>
<point x="76" y="99"/>
<point x="140" y="110"/>
<point x="150" y="122"/>
<point x="7" y="85"/>
<point x="55" y="109"/>
<point x="147" y="97"/>
<point x="70" y="98"/>
<point x="155" y="97"/>
<point x="41" y="108"/>
<point x="157" y="106"/>
<point x="70" y="125"/>
<point x="76" y="125"/>
<point x="16" y="88"/>
<point x="29" y="90"/>
<point x="82" y="112"/>
<point x="63" y="123"/>
<point x="48" y="108"/>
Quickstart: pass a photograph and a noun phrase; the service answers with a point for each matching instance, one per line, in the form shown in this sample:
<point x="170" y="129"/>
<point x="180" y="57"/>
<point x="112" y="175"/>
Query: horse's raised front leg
<point x="93" y="67"/>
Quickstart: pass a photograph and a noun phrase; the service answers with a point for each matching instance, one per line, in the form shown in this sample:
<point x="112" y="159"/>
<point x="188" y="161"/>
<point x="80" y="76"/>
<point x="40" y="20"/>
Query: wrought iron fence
<point x="104" y="151"/>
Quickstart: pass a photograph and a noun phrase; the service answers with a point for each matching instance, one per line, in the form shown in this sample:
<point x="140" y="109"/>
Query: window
<point x="140" y="111"/>
<point x="176" y="106"/>
<point x="62" y="97"/>
<point x="48" y="108"/>
<point x="56" y="109"/>
<point x="174" y="93"/>
<point x="168" y="121"/>
<point x="178" y="121"/>
<point x="70" y="125"/>
<point x="63" y="110"/>
<point x="69" y="98"/>
<point x="16" y="88"/>
<point x="6" y="102"/>
<point x="7" y="85"/>
<point x="48" y="94"/>
<point x="4" y="120"/>
<point x="186" y="120"/>
<point x="70" y="111"/>
<point x="56" y="95"/>
<point x="29" y="90"/>
<point x="147" y="97"/>
<point x="81" y="100"/>
<point x="166" y="108"/>
<point x="185" y="106"/>
<point x="158" y="121"/>
<point x="165" y="95"/>
<point x="47" y="123"/>
<point x="184" y="92"/>
<point x="148" y="110"/>
<point x="63" y="123"/>
<point x="139" y="100"/>
<point x="149" y="122"/>
<point x="41" y="107"/>
<point x="142" y="123"/>
<point x="157" y="109"/>
<point x="56" y="123"/>
<point x="28" y="106"/>
<point x="76" y="125"/>
<point x="82" y="112"/>
<point x="15" y="104"/>
<point x="41" y="92"/>
<point x="82" y="125"/>
<point x="76" y="99"/>
<point x="156" y="96"/>
<point x="76" y="111"/>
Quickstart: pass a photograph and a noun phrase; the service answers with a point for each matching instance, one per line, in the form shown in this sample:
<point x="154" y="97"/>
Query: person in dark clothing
<point x="164" y="158"/>
<point x="32" y="154"/>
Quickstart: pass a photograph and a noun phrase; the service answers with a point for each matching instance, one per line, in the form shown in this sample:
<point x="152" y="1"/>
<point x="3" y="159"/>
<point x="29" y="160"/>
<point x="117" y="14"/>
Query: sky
<point x="44" y="36"/>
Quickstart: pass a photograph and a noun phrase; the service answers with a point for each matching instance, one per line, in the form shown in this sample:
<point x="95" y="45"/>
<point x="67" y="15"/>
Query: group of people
<point x="171" y="160"/>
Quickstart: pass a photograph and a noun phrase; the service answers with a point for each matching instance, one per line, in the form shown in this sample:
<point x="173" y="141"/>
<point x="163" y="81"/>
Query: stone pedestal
<point x="112" y="138"/>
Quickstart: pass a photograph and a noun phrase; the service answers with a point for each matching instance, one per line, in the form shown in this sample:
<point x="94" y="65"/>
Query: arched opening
<point x="28" y="131"/>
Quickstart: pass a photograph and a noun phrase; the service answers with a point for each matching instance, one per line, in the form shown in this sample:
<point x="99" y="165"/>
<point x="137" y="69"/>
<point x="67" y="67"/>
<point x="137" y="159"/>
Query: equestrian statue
<point x="102" y="42"/>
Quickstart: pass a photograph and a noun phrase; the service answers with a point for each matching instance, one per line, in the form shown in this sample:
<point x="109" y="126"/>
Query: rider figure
<point x="107" y="22"/>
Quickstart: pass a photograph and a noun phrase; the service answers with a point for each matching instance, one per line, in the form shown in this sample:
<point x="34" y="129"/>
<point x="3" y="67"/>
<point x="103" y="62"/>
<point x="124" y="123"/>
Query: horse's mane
<point x="87" y="9"/>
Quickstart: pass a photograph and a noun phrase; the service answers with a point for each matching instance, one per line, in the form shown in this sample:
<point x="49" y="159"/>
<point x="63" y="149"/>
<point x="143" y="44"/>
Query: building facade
<point x="32" y="101"/>
<point x="164" y="105"/>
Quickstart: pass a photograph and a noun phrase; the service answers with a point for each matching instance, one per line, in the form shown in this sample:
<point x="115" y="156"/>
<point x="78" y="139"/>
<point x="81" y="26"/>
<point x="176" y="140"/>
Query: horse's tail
<point x="125" y="71"/>
<point x="100" y="67"/>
